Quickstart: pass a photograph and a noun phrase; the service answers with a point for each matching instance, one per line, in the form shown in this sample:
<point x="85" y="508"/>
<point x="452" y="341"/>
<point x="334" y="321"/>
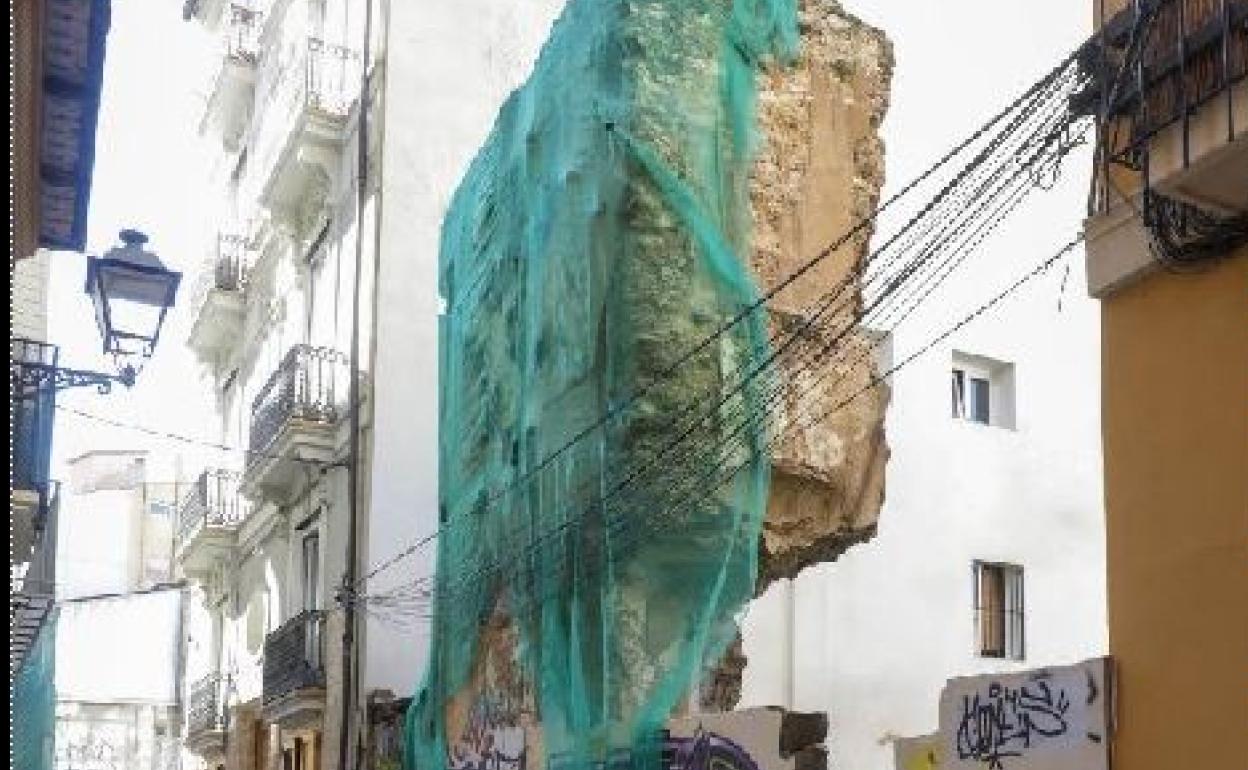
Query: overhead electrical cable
<point x="184" y="439"/>
<point x="385" y="602"/>
<point x="1051" y="89"/>
<point x="946" y="233"/>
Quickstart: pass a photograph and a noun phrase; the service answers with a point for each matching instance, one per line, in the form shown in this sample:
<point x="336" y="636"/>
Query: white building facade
<point x="990" y="549"/>
<point x="262" y="536"/>
<point x="989" y="554"/>
<point x="118" y="618"/>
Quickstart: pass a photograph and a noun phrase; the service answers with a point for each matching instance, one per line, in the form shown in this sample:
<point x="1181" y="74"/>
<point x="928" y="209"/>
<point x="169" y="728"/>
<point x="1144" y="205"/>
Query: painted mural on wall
<point x="90" y="745"/>
<point x="491" y="738"/>
<point x="749" y="739"/>
<point x="492" y="724"/>
<point x="1044" y="719"/>
<point x="707" y="751"/>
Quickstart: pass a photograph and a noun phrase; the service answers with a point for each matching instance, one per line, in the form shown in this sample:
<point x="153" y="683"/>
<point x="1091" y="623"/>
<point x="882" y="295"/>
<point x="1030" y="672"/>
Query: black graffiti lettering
<point x="1007" y="721"/>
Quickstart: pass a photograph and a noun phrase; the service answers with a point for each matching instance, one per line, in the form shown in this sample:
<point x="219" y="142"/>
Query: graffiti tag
<point x="492" y="739"/>
<point x="706" y="751"/>
<point x="1006" y="721"/>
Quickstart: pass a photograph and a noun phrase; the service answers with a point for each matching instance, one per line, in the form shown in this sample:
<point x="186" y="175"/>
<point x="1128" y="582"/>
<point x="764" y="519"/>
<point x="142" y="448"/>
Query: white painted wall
<point x="28" y="297"/>
<point x="875" y="635"/>
<point x="119" y="649"/>
<point x="449" y="66"/>
<point x="94" y="551"/>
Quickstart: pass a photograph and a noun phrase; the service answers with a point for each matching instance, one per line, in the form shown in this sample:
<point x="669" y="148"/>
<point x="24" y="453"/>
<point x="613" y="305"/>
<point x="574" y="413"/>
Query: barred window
<point x="999" y="615"/>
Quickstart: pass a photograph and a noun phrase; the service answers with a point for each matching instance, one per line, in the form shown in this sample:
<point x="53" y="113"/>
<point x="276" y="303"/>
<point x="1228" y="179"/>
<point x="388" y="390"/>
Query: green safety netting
<point x="598" y="235"/>
<point x="32" y="695"/>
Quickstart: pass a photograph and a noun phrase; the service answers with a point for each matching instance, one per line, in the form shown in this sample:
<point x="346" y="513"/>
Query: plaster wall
<point x="872" y="637"/>
<point x="120" y="649"/>
<point x="28" y="297"/>
<point x="445" y="80"/>
<point x="1175" y="428"/>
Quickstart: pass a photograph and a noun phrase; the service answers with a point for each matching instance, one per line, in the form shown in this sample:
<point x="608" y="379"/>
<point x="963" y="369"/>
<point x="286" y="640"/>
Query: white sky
<point x="149" y="174"/>
<point x="958" y="61"/>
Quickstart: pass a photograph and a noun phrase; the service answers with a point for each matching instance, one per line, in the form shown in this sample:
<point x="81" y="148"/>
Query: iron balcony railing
<point x="31" y="404"/>
<point x="213" y="501"/>
<point x="318" y="77"/>
<point x="294" y="656"/>
<point x="332" y="77"/>
<point x="324" y="74"/>
<point x="230" y="266"/>
<point x="1156" y="64"/>
<point x="242" y="34"/>
<point x="310" y="385"/>
<point x="205" y="708"/>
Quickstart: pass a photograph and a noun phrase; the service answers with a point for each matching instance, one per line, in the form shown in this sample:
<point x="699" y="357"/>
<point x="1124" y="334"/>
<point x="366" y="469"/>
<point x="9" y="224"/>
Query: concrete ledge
<point x="1117" y="249"/>
<point x="301" y="709"/>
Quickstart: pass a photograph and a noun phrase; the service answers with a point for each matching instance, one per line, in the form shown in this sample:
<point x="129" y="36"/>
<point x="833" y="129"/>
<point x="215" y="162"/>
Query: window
<point x="312" y="571"/>
<point x="999" y="615"/>
<point x="982" y="390"/>
<point x="971" y="398"/>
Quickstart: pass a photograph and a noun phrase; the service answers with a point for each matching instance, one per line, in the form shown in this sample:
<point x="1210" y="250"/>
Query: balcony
<point x="1170" y="91"/>
<point x="208" y="519"/>
<point x="32" y="583"/>
<point x="219" y="294"/>
<point x="294" y="418"/>
<point x="294" y="672"/>
<point x="205" y="717"/>
<point x="230" y="100"/>
<point x="297" y="131"/>
<point x="30" y="425"/>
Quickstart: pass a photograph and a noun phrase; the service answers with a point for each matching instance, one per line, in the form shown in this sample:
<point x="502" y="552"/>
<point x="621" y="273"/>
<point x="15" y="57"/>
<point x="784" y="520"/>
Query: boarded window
<point x="999" y="617"/>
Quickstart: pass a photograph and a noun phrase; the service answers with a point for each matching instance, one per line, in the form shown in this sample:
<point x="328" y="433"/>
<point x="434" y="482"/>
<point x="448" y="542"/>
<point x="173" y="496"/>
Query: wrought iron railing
<point x="294" y="655"/>
<point x="319" y="76"/>
<point x="1156" y="63"/>
<point x="333" y="77"/>
<point x="242" y="33"/>
<point x="213" y="501"/>
<point x="31" y="405"/>
<point x="310" y="384"/>
<point x="205" y="711"/>
<point x="230" y="266"/>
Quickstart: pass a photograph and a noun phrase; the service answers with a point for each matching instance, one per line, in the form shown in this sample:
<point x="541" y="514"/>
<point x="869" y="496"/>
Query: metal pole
<point x="1181" y="29"/>
<point x="1226" y="72"/>
<point x="347" y="597"/>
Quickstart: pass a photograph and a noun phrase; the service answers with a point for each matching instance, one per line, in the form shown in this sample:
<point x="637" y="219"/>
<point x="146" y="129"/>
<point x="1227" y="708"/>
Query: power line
<point x="1031" y="95"/>
<point x="1050" y="87"/>
<point x="411" y="609"/>
<point x="158" y="433"/>
<point x="977" y="236"/>
<point x="943" y="273"/>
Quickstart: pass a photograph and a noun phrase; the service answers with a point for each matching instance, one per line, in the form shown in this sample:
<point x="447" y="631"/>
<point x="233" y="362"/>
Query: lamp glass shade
<point x="131" y="291"/>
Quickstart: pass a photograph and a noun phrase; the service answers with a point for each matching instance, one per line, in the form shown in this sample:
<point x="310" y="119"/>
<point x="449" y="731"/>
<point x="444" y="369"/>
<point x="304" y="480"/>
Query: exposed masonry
<point x="819" y="171"/>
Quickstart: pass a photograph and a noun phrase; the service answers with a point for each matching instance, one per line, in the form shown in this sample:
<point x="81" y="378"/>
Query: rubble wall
<point x="664" y="161"/>
<point x="819" y="172"/>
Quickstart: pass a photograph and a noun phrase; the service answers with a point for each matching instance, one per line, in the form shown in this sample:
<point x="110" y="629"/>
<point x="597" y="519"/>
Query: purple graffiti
<point x="706" y="751"/>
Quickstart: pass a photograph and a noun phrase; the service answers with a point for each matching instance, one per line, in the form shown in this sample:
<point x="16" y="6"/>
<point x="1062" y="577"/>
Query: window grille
<point x="999" y="610"/>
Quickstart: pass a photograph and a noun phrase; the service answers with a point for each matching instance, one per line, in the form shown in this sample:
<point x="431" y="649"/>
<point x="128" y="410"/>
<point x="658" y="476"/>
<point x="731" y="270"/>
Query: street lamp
<point x="132" y="292"/>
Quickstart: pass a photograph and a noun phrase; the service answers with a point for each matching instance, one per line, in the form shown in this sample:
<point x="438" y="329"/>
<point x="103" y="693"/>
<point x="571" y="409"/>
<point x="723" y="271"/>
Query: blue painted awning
<point x="73" y="70"/>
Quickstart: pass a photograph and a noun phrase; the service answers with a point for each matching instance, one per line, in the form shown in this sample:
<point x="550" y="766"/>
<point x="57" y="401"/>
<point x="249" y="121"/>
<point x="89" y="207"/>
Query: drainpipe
<point x="347" y="598"/>
<point x="790" y="632"/>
